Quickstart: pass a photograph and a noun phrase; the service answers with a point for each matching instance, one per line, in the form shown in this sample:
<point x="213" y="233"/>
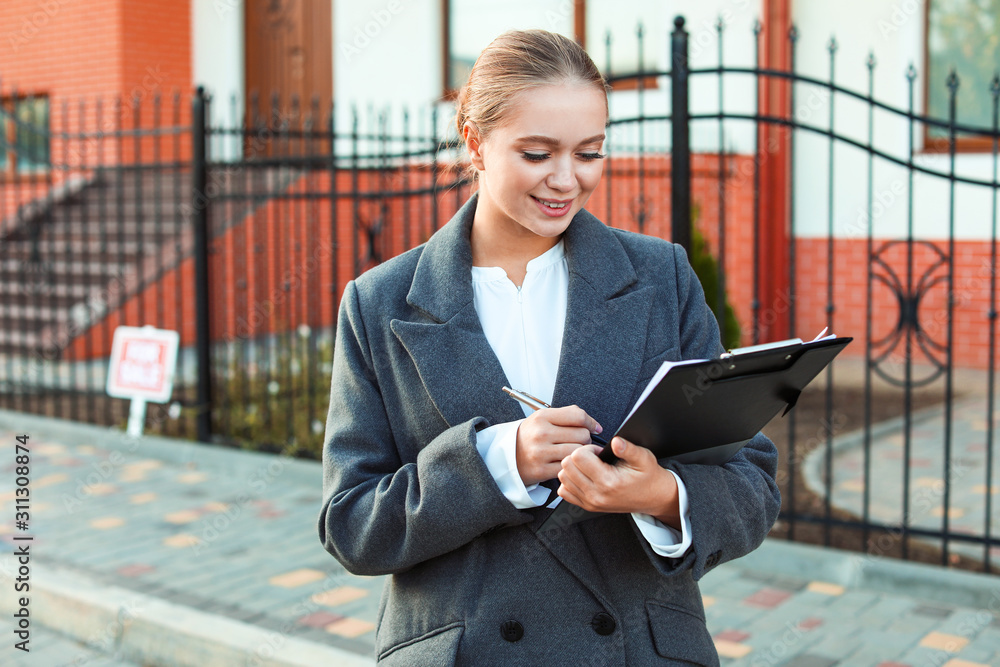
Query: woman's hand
<point x="637" y="483"/>
<point x="548" y="436"/>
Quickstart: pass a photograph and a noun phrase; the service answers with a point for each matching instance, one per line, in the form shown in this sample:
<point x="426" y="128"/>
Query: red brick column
<point x="775" y="175"/>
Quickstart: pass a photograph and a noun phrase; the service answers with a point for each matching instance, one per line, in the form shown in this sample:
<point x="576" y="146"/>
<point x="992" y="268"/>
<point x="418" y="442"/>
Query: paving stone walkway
<point x="48" y="647"/>
<point x="920" y="449"/>
<point x="233" y="534"/>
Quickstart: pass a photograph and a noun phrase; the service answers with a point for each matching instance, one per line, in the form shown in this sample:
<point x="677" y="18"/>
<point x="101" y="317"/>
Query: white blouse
<point x="524" y="326"/>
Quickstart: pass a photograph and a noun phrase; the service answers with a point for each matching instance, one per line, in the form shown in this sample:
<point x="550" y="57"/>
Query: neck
<point x="499" y="241"/>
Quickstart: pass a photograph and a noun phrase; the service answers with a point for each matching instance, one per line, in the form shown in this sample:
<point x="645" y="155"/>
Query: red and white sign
<point x="143" y="360"/>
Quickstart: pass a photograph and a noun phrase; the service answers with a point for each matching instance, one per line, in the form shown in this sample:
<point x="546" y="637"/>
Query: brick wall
<point x="279" y="268"/>
<point x="156" y="62"/>
<point x="116" y="51"/>
<point x="44" y="42"/>
<point x="289" y="240"/>
<point x="971" y="296"/>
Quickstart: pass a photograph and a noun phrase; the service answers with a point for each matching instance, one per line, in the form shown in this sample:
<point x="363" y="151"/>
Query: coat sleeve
<point x="732" y="506"/>
<point x="379" y="514"/>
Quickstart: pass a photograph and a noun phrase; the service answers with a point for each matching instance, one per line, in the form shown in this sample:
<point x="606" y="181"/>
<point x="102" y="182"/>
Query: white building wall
<point x="739" y="91"/>
<point x="387" y="57"/>
<point x="217" y="63"/>
<point x="893" y="31"/>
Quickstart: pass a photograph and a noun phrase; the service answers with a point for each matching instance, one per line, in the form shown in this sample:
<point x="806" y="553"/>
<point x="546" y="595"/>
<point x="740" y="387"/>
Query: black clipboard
<point x="705" y="411"/>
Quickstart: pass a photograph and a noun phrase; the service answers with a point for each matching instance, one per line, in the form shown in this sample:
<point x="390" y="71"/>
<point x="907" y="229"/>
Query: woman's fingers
<point x="636" y="484"/>
<point x="571" y="415"/>
<point x="549" y="435"/>
<point x="540" y="429"/>
<point x="547" y="460"/>
<point x="575" y="486"/>
<point x="561" y="425"/>
<point x="582" y="468"/>
<point x="539" y="462"/>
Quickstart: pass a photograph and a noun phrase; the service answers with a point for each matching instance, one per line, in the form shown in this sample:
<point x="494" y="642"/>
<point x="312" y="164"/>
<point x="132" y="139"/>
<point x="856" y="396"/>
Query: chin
<point x="553" y="229"/>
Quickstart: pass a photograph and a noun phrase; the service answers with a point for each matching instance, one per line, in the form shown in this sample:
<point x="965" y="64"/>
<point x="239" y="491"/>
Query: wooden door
<point x="289" y="64"/>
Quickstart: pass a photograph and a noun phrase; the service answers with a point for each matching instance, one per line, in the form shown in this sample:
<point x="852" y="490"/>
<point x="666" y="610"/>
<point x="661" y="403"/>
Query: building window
<point x="24" y="140"/>
<point x="620" y="19"/>
<point x="470" y="25"/>
<point x="962" y="35"/>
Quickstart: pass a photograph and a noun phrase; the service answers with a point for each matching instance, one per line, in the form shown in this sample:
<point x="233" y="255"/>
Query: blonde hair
<point x="514" y="62"/>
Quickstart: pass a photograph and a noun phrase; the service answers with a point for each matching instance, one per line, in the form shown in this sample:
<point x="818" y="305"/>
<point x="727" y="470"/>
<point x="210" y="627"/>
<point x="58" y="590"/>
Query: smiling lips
<point x="553" y="207"/>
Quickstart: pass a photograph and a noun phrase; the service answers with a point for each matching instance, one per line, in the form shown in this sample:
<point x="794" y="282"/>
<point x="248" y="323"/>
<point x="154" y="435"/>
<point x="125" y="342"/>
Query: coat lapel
<point x="458" y="367"/>
<point x="606" y="323"/>
<point x="602" y="352"/>
<point x="603" y="339"/>
<point x="602" y="348"/>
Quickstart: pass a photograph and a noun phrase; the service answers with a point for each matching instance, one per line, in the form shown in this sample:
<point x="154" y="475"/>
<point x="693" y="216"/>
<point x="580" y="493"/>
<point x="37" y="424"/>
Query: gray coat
<point x="406" y="493"/>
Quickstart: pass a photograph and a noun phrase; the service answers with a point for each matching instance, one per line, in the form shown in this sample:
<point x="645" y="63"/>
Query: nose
<point x="562" y="177"/>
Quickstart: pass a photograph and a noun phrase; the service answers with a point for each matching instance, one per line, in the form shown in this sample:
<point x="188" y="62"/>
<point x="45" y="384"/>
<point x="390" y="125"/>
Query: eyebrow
<point x="549" y="141"/>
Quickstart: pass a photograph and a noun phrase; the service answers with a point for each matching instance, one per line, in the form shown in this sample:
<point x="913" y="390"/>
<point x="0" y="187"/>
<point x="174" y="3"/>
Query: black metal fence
<point x="82" y="232"/>
<point x="242" y="234"/>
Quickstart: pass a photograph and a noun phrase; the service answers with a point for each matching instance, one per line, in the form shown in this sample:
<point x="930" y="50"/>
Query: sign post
<point x="143" y="361"/>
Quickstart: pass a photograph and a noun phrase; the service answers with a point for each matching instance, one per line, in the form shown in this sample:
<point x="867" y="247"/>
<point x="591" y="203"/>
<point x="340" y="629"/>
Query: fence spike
<point x="953" y="81"/>
<point x="607" y="54"/>
<point x="275" y="112"/>
<point x="295" y="111"/>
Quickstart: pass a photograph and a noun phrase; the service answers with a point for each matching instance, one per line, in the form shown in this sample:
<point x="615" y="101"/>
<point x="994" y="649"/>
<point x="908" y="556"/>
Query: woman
<point x="432" y="474"/>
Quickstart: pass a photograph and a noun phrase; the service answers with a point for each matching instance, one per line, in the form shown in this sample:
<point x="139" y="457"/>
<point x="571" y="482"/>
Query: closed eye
<point x="538" y="157"/>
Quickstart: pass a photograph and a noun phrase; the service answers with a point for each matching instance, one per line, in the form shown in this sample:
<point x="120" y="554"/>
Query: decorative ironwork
<point x="299" y="205"/>
<point x="888" y="356"/>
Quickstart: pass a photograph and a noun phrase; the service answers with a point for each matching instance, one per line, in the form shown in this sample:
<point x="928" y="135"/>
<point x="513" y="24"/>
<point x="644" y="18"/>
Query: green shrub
<point x="284" y="412"/>
<point x="707" y="269"/>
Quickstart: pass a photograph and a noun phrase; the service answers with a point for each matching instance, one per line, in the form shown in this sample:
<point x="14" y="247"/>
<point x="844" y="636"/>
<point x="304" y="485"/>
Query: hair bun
<point x="460" y="102"/>
<point x="516" y="61"/>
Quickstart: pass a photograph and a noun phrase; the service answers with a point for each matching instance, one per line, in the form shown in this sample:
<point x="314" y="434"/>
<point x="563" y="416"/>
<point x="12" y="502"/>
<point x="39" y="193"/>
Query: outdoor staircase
<point x="73" y="257"/>
<point x="69" y="260"/>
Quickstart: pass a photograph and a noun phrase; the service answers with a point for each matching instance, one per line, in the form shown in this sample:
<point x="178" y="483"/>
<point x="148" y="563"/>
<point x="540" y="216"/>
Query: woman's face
<point x="540" y="166"/>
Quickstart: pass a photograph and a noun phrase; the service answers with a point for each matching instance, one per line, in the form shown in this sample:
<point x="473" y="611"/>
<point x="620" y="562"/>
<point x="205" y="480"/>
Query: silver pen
<point x="527" y="399"/>
<point x="538" y="404"/>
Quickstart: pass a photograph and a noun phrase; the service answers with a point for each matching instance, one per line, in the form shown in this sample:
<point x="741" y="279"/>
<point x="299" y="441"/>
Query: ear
<point x="474" y="144"/>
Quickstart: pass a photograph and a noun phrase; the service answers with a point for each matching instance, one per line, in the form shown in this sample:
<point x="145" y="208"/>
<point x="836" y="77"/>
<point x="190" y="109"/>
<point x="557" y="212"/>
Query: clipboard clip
<point x="790" y="396"/>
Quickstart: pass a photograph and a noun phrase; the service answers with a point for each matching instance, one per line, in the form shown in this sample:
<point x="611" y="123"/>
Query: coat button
<point x="511" y="630"/>
<point x="602" y="623"/>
